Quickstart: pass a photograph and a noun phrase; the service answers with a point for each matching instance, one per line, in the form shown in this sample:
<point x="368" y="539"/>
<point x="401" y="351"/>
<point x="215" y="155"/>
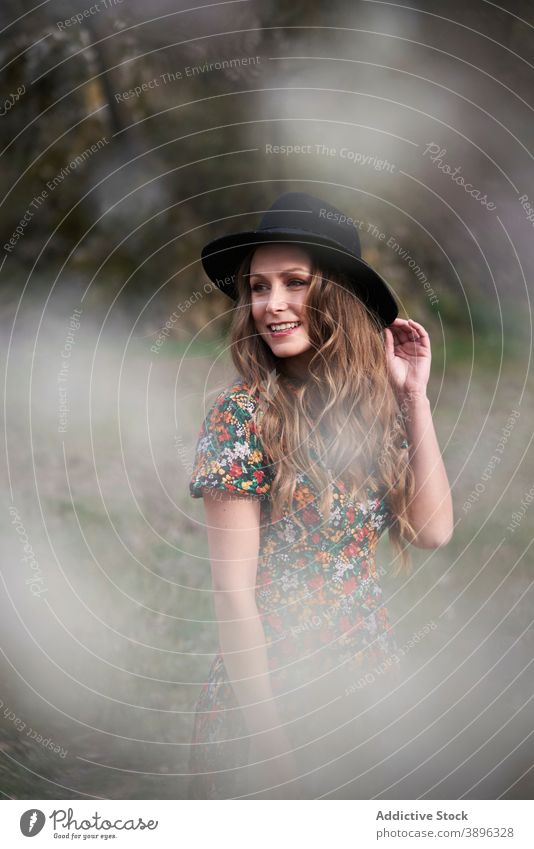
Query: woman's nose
<point x="277" y="299"/>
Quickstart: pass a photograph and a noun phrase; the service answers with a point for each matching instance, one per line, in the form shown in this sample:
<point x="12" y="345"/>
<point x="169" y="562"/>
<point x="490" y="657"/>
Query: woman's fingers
<point x="402" y="336"/>
<point x="407" y="326"/>
<point x="424" y="338"/>
<point x="419" y="327"/>
<point x="408" y="330"/>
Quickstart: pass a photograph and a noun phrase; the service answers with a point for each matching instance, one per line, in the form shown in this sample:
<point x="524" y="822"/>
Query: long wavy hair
<point x="345" y="410"/>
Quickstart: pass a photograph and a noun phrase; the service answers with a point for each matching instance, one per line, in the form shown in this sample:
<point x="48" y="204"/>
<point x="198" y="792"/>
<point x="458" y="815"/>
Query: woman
<point x="324" y="439"/>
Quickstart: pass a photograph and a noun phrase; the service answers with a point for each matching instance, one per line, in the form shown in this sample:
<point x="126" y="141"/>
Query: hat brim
<point x="221" y="258"/>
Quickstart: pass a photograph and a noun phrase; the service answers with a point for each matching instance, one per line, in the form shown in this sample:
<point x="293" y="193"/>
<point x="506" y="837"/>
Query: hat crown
<point x="302" y="212"/>
<point x="302" y="219"/>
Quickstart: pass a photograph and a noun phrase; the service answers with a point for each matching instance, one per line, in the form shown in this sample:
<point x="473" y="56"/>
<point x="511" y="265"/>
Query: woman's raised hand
<point x="408" y="356"/>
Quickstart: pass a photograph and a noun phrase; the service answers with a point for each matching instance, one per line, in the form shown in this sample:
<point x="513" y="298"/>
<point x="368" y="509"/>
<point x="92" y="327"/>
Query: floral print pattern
<point x="318" y="592"/>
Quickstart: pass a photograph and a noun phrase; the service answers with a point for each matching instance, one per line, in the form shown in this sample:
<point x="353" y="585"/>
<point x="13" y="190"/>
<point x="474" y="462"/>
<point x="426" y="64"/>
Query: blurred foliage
<point x="140" y="210"/>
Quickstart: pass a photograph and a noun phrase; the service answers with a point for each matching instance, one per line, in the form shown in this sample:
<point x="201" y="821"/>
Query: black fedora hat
<point x="312" y="223"/>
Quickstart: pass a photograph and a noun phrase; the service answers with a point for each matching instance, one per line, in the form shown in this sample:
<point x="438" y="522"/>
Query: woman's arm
<point x="430" y="511"/>
<point x="233" y="535"/>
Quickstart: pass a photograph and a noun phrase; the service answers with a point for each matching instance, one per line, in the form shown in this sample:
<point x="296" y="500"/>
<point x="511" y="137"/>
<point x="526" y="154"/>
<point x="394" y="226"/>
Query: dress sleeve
<point x="229" y="454"/>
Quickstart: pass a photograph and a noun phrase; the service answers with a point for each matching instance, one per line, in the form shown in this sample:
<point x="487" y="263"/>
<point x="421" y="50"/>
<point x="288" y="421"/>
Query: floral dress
<point x="318" y="593"/>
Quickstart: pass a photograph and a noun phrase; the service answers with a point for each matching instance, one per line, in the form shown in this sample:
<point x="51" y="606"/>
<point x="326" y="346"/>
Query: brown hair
<point x="346" y="408"/>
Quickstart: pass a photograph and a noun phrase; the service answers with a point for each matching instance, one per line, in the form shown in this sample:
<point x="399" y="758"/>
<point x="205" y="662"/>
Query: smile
<point x="283" y="328"/>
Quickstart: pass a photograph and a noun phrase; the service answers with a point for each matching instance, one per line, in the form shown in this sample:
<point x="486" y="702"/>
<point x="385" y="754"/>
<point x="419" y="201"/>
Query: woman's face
<point x="279" y="280"/>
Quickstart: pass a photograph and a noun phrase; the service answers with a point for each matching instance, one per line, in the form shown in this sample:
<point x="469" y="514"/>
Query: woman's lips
<point x="284" y="332"/>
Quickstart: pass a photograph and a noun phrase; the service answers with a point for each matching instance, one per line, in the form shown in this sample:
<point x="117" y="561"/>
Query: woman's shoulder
<point x="229" y="452"/>
<point x="237" y="397"/>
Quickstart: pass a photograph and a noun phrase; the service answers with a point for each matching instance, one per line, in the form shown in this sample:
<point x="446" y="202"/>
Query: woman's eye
<point x="256" y="287"/>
